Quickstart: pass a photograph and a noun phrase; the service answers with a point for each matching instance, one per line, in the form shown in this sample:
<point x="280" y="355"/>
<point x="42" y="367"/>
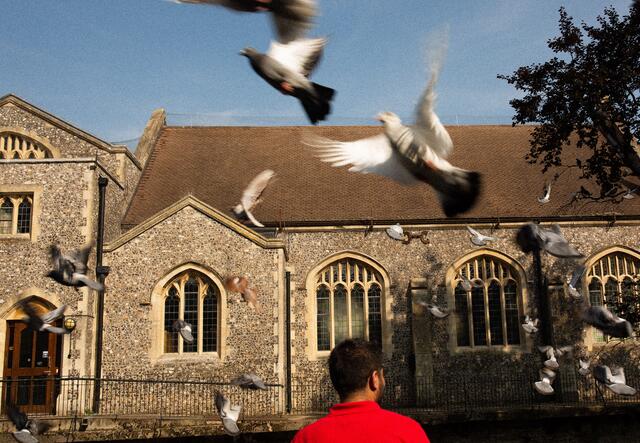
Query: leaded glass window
<point x="24" y="216"/>
<point x="348" y="303"/>
<point x="193" y="297"/>
<point x="607" y="280"/>
<point x="15" y="214"/>
<point x="6" y="216"/>
<point x="488" y="313"/>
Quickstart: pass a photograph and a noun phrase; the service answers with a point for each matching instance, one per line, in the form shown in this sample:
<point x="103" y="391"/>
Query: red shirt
<point x="362" y="421"/>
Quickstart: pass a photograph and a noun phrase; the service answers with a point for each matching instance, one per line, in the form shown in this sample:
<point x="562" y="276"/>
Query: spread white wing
<point x="253" y="191"/>
<point x="367" y="155"/>
<point x="292" y="18"/>
<point x="301" y="56"/>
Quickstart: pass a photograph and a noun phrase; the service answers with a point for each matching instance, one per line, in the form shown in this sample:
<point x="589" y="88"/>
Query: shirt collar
<point x="354" y="407"/>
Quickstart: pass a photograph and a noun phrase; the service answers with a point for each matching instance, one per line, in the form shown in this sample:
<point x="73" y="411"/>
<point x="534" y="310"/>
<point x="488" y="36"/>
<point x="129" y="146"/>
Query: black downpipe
<point x="101" y="274"/>
<point x="287" y="335"/>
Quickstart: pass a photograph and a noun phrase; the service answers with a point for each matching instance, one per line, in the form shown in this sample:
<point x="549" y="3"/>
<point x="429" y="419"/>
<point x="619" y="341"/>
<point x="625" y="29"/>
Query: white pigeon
<point x="468" y="285"/>
<point x="479" y="239"/>
<point x="573" y="282"/>
<point x="184" y="329"/>
<point x="546" y="195"/>
<point x="434" y="310"/>
<point x="396" y="232"/>
<point x="228" y="414"/>
<point x="551" y="353"/>
<point x="291" y="18"/>
<point x="584" y="367"/>
<point x="547" y="376"/>
<point x="614" y="379"/>
<point x="251" y="196"/>
<point x="530" y="326"/>
<point x="409" y="154"/>
<point x="629" y="194"/>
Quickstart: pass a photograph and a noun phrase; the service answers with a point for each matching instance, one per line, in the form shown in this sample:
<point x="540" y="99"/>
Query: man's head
<point x="355" y="367"/>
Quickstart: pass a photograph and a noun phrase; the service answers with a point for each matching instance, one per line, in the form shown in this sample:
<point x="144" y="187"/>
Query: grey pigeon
<point x="601" y="318"/>
<point x="287" y="67"/>
<point x="530" y="326"/>
<point x="291" y="18"/>
<point x="575" y="278"/>
<point x="228" y="414"/>
<point x="184" y="329"/>
<point x="409" y="154"/>
<point x="544" y="386"/>
<point x="614" y="379"/>
<point x="249" y="381"/>
<point x="43" y="322"/>
<point x="531" y="236"/>
<point x="396" y="232"/>
<point x="71" y="269"/>
<point x="251" y="196"/>
<point x="479" y="239"/>
<point x="436" y="311"/>
<point x="26" y="429"/>
<point x="546" y="195"/>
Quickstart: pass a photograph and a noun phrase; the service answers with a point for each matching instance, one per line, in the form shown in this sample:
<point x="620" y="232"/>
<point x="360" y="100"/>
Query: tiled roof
<point x="215" y="164"/>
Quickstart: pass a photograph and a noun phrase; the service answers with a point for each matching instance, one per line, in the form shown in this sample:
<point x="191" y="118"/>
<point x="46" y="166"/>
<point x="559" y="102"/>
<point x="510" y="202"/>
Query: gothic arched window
<point x="20" y="147"/>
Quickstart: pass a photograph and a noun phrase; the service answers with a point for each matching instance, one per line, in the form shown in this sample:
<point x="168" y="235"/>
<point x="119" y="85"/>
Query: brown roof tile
<point x="215" y="164"/>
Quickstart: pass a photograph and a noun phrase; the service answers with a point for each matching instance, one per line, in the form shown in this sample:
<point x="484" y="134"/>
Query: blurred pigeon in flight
<point x="546" y="195"/>
<point x="241" y="285"/>
<point x="547" y="376"/>
<point x="530" y="326"/>
<point x="531" y="236"/>
<point x="479" y="239"/>
<point x="614" y="379"/>
<point x="26" y="429"/>
<point x="228" y="414"/>
<point x="251" y="196"/>
<point x="291" y="18"/>
<point x="629" y="194"/>
<point x="287" y="67"/>
<point x="551" y="353"/>
<point x="42" y="322"/>
<point x="601" y="318"/>
<point x="584" y="367"/>
<point x="71" y="269"/>
<point x="575" y="278"/>
<point x="249" y="381"/>
<point x="434" y="310"/>
<point x="396" y="232"/>
<point x="409" y="154"/>
<point x="184" y="329"/>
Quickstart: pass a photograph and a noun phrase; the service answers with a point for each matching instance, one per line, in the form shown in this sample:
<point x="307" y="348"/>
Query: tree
<point x="588" y="92"/>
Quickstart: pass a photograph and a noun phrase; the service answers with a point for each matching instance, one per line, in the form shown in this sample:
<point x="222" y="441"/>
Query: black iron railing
<point x="73" y="396"/>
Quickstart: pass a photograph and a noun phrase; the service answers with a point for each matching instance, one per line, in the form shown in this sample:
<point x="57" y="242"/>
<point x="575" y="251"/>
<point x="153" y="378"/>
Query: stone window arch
<point x="194" y="297"/>
<point x="488" y="314"/>
<point x="610" y="274"/>
<point x="17" y="146"/>
<point x="350" y="300"/>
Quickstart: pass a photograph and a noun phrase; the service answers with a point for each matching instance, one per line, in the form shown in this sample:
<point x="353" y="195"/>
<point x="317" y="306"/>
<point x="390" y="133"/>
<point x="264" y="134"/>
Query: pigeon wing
<point x="80" y="257"/>
<point x="55" y="256"/>
<point x="292" y="18"/>
<point x="25" y="436"/>
<point x="17" y="417"/>
<point x="255" y="188"/>
<point x="54" y="329"/>
<point x="231" y="4"/>
<point x="473" y="232"/>
<point x="300" y="56"/>
<point x="367" y="155"/>
<point x="52" y="316"/>
<point x="428" y="129"/>
<point x="241" y="380"/>
<point x="617" y="375"/>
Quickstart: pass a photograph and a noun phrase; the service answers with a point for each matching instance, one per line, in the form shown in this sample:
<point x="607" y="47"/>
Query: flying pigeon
<point x="601" y="318"/>
<point x="396" y="232"/>
<point x="547" y="376"/>
<point x="26" y="430"/>
<point x="228" y="414"/>
<point x="249" y="381"/>
<point x="575" y="278"/>
<point x="477" y="238"/>
<point x="287" y="67"/>
<point x="241" y="285"/>
<point x="291" y="18"/>
<point x="629" y="194"/>
<point x="584" y="367"/>
<point x="531" y="236"/>
<point x="71" y="269"/>
<point x="546" y="195"/>
<point x="43" y="322"/>
<point x="530" y="326"/>
<point x="434" y="310"/>
<point x="184" y="329"/>
<point x="552" y="353"/>
<point x="251" y="196"/>
<point x="614" y="379"/>
<point x="409" y="154"/>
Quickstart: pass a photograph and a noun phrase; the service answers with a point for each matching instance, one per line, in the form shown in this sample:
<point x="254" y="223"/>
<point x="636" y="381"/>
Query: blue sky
<point x="104" y="66"/>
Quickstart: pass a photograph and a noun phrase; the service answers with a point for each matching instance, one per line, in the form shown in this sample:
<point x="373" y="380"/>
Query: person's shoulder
<point x="311" y="430"/>
<point x="403" y="422"/>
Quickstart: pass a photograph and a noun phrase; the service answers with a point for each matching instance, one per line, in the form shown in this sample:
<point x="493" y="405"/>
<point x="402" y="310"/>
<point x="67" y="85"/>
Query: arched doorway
<point x="32" y="361"/>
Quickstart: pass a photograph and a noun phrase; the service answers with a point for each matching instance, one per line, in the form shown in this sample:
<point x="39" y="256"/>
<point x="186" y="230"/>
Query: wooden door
<point x="31" y="363"/>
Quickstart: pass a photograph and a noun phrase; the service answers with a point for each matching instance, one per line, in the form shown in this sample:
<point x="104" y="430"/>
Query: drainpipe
<point x="101" y="274"/>
<point x="287" y="317"/>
